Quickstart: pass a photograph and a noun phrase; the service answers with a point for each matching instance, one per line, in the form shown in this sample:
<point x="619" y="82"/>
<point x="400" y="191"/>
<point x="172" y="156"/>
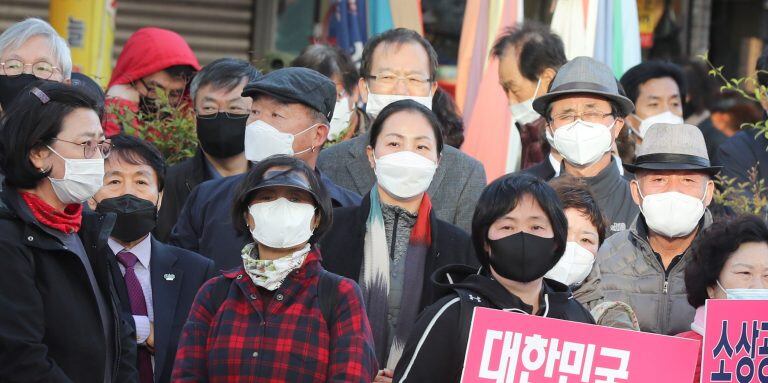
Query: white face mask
<point x="263" y="140"/>
<point x="281" y="224"/>
<point x="404" y="174"/>
<point x="574" y="266"/>
<point x="745" y="294"/>
<point x="377" y="102"/>
<point x="582" y="142"/>
<point x="523" y="112"/>
<point x="666" y="118"/>
<point x="672" y="214"/>
<point x="340" y="119"/>
<point x="82" y="179"/>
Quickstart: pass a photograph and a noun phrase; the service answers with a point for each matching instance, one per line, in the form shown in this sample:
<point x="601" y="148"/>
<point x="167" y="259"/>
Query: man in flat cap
<point x="585" y="113"/>
<point x="644" y="265"/>
<point x="290" y="115"/>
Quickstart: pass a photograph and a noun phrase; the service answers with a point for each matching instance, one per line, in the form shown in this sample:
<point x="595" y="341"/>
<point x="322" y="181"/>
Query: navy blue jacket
<point x="205" y="223"/>
<point x="740" y="153"/>
<point x="176" y="275"/>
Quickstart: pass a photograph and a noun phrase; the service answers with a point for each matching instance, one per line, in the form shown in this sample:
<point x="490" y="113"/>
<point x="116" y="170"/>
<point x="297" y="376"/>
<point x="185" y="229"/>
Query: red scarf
<point x="66" y="221"/>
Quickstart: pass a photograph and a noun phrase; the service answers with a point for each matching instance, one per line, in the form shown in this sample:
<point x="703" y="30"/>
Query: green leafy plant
<point x="172" y="128"/>
<point x="750" y="197"/>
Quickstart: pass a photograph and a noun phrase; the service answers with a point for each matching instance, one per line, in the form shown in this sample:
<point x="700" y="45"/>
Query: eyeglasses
<point x="173" y="94"/>
<point x="41" y="69"/>
<point x="414" y="82"/>
<point x="233" y="113"/>
<point x="567" y="118"/>
<point x="90" y="147"/>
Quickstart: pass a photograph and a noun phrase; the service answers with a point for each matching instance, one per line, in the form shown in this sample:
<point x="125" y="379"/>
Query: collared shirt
<point x="142" y="251"/>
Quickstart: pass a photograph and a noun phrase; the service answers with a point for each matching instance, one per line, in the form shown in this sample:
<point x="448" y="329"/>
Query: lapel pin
<point x="169" y="277"/>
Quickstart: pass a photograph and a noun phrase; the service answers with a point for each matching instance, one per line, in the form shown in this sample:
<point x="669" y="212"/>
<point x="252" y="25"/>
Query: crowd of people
<point x="328" y="228"/>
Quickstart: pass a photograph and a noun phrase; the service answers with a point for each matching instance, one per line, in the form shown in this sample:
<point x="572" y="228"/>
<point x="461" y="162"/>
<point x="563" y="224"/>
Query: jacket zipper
<point x="394" y="237"/>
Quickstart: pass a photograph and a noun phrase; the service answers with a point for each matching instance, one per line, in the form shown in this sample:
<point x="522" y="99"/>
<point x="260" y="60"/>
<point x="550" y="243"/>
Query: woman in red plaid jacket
<point x="280" y="317"/>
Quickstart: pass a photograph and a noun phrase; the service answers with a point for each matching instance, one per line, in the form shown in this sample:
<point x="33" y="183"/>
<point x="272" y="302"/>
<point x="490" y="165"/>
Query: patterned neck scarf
<point x="267" y="273"/>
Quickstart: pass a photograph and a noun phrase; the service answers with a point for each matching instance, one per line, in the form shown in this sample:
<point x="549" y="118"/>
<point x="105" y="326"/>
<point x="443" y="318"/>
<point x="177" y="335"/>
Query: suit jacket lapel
<point x="119" y="281"/>
<point x="359" y="168"/>
<point x="166" y="285"/>
<point x="434" y="186"/>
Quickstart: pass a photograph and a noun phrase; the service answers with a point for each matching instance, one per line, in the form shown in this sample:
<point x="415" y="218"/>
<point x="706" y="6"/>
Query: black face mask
<point x="222" y="136"/>
<point x="523" y="257"/>
<point x="11" y="87"/>
<point x="136" y="217"/>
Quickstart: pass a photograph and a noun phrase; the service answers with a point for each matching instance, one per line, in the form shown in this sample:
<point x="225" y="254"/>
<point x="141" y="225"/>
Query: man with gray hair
<point x="31" y="50"/>
<point x="644" y="265"/>
<point x="221" y="113"/>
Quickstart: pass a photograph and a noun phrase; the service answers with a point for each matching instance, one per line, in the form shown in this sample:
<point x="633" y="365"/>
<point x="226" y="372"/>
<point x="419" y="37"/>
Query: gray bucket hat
<point x="673" y="147"/>
<point x="584" y="75"/>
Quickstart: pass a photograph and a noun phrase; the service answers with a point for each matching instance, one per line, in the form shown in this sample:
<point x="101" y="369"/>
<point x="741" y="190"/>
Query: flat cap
<point x="297" y="85"/>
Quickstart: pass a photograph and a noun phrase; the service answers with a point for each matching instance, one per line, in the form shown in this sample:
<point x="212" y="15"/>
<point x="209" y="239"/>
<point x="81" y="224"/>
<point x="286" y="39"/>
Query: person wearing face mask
<point x="644" y="265"/>
<point x="59" y="316"/>
<point x="519" y="232"/>
<point x="152" y="59"/>
<point x="728" y="261"/>
<point x="394" y="235"/>
<point x="31" y="51"/>
<point x="290" y="114"/>
<point x="336" y="64"/>
<point x="401" y="64"/>
<point x="657" y="89"/>
<point x="577" y="268"/>
<point x="585" y="112"/>
<point x="221" y="115"/>
<point x="279" y="316"/>
<point x="156" y="283"/>
<point x="529" y="56"/>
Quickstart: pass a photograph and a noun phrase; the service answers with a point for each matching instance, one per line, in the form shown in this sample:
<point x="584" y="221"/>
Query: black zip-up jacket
<point x="436" y="347"/>
<point x="50" y="326"/>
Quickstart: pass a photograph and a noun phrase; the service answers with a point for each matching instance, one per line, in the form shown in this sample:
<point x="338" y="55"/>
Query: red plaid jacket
<point x="288" y="342"/>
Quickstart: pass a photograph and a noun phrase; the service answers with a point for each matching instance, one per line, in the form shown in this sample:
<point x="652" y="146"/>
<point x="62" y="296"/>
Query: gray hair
<point x="19" y="33"/>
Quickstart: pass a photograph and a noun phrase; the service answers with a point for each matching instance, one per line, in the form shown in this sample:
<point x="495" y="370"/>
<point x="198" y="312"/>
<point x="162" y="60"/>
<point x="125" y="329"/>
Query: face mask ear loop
<point x="721" y="287"/>
<point x="536" y="92"/>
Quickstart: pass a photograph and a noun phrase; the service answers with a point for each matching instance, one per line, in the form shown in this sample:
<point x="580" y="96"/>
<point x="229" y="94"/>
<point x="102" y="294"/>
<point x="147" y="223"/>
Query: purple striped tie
<point x="138" y="307"/>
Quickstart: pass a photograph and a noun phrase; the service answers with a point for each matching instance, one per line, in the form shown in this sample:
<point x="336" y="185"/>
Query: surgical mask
<point x="523" y="112"/>
<point x="11" y="87"/>
<point x="672" y="214"/>
<point x="222" y="136"/>
<point x="263" y="140"/>
<point x="377" y="102"/>
<point x="281" y="224"/>
<point x="340" y="119"/>
<point x="574" y="266"/>
<point x="745" y="294"/>
<point x="522" y="257"/>
<point x="82" y="179"/>
<point x="404" y="174"/>
<point x="136" y="217"/>
<point x="661" y="118"/>
<point x="583" y="143"/>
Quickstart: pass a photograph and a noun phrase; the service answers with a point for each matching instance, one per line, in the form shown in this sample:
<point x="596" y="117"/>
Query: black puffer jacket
<point x="435" y="350"/>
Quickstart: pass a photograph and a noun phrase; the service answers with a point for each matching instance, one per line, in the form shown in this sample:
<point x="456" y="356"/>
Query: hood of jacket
<point x="151" y="50"/>
<point x="554" y="300"/>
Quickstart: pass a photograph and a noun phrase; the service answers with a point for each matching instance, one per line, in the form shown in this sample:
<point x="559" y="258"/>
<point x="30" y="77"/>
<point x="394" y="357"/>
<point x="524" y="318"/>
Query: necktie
<point x="138" y="307"/>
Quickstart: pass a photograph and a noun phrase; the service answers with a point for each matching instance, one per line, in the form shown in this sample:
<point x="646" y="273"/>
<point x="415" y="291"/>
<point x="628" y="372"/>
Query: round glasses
<point x="90" y="147"/>
<point x="41" y="69"/>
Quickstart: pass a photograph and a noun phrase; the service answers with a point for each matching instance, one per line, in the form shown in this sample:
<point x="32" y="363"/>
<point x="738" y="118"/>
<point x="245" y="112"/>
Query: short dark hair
<point x="397" y="36"/>
<point x="761" y="66"/>
<point x="30" y="123"/>
<point x="135" y="151"/>
<point x="255" y="176"/>
<point x="329" y="61"/>
<point x="537" y="46"/>
<point x="649" y="70"/>
<point x="713" y="247"/>
<point x="410" y="106"/>
<point x="702" y="89"/>
<point x="501" y="196"/>
<point x="574" y="194"/>
<point x="185" y="72"/>
<point x="224" y="73"/>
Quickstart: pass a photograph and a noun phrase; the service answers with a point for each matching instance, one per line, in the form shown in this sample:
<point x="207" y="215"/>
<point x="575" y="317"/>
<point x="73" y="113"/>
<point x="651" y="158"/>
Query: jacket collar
<point x="639" y="232"/>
